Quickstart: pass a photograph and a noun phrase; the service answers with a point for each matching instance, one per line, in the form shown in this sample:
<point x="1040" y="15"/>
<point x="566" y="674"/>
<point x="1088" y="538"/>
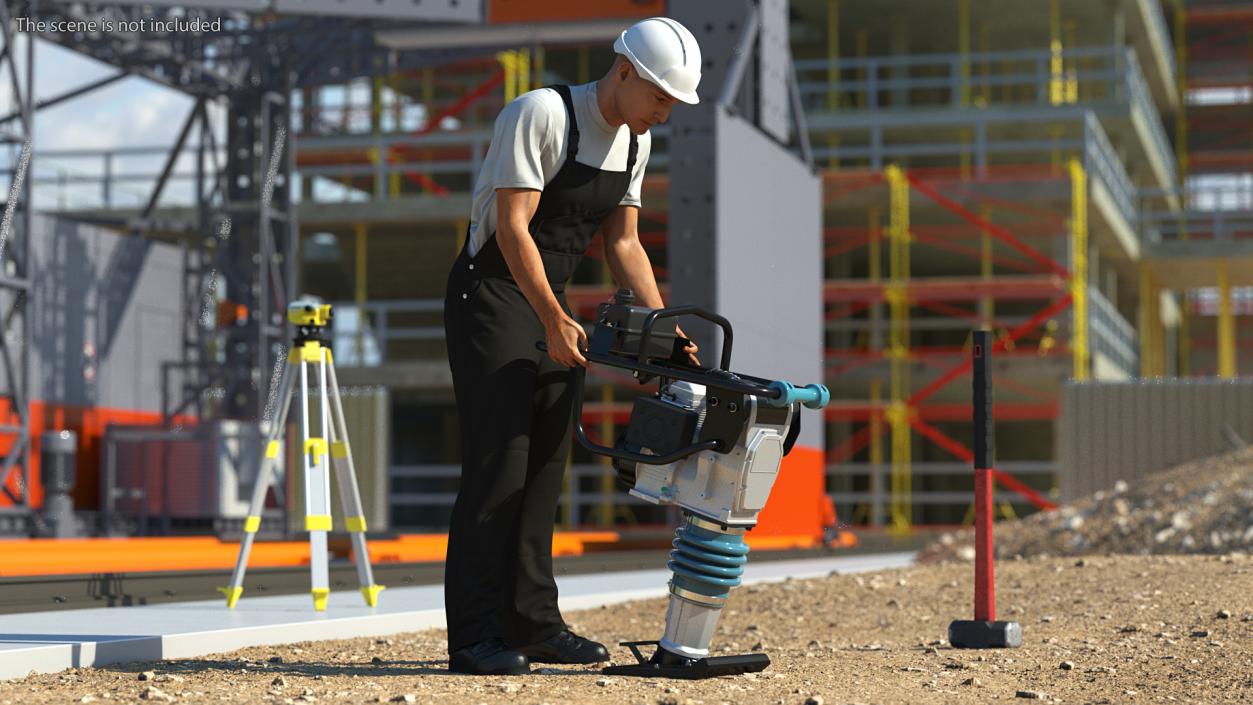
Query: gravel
<point x="836" y="640"/>
<point x="1205" y="507"/>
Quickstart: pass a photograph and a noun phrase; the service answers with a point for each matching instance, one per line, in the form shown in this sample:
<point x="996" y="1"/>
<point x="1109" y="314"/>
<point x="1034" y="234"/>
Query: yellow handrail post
<point x="509" y="62"/>
<point x="1226" y="325"/>
<point x="897" y="294"/>
<point x="1185" y="339"/>
<point x="1079" y="267"/>
<point x="876" y="345"/>
<point x="1057" y="69"/>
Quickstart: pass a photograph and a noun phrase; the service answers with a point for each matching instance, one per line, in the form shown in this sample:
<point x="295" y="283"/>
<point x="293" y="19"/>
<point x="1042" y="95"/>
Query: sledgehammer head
<point x="978" y="634"/>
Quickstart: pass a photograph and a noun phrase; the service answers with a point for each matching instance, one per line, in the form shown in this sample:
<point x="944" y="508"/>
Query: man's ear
<point x="625" y="70"/>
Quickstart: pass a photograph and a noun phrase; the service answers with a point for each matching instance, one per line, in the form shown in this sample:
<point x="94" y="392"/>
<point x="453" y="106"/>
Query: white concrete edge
<point x="193" y="644"/>
<point x="859" y="564"/>
<point x="37" y="658"/>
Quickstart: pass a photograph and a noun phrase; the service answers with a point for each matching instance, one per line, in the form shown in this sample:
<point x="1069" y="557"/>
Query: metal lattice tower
<point x="16" y="134"/>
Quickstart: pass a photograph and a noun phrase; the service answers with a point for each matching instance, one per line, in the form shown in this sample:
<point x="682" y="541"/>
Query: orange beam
<point x="862" y="412"/>
<point x="510" y="11"/>
<point x="75" y="556"/>
<point x="1017" y="287"/>
<point x="1001" y="173"/>
<point x="1231" y="160"/>
<point x="1214" y="14"/>
<point x="951" y="231"/>
<point x="996" y="173"/>
<point x="422" y="548"/>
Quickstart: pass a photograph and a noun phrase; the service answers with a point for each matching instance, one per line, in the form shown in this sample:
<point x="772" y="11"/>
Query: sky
<point x="131" y="112"/>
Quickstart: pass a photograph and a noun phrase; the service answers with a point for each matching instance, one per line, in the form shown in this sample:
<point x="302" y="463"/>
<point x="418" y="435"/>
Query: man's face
<point x="643" y="103"/>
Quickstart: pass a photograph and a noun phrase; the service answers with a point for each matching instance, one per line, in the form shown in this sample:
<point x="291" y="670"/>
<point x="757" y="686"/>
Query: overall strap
<point x="572" y="136"/>
<point x="631" y="153"/>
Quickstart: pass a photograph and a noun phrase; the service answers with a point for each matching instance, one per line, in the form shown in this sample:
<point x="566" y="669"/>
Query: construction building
<point x="1073" y="175"/>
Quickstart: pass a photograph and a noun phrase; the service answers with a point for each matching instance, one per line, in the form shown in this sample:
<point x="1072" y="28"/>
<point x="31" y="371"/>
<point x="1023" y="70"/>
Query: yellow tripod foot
<point x="371" y="594"/>
<point x="319" y="598"/>
<point x="232" y="595"/>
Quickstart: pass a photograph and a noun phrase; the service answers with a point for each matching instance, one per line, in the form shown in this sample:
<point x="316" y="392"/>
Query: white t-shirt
<point x="529" y="146"/>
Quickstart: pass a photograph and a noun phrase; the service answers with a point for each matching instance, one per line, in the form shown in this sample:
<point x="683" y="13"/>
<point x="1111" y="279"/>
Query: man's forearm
<point x="632" y="269"/>
<point x="527" y="267"/>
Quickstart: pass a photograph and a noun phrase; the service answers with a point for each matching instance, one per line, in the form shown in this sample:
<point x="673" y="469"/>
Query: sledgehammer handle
<point x="985" y="595"/>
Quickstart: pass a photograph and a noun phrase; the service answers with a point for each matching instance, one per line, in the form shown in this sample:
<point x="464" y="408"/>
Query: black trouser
<point x="514" y="405"/>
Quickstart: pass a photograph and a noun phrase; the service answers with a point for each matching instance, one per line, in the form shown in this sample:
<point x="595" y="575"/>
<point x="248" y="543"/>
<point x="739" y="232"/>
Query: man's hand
<point x="691" y="347"/>
<point x="565" y="338"/>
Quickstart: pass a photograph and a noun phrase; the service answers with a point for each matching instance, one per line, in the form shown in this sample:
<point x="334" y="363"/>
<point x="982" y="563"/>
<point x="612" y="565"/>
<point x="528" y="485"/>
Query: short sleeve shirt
<point x="529" y="146"/>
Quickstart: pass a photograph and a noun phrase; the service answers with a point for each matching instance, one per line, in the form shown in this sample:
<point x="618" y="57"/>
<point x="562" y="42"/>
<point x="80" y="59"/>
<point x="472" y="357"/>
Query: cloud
<point x="132" y="112"/>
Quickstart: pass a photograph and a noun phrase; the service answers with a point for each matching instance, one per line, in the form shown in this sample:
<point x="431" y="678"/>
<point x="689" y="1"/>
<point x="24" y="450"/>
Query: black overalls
<point x="514" y="405"/>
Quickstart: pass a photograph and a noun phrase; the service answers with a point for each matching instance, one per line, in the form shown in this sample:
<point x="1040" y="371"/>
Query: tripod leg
<point x="317" y="482"/>
<point x="350" y="496"/>
<point x="262" y="484"/>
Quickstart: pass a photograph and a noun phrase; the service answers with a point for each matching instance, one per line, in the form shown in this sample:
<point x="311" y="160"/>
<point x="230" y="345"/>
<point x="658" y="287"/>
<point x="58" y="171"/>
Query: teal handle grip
<point x="814" y="396"/>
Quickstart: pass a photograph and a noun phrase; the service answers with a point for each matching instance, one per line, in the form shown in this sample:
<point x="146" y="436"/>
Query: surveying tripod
<point x="310" y="346"/>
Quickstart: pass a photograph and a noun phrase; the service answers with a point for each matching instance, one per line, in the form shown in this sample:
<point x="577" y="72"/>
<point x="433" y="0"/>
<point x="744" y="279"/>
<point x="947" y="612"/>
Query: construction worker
<point x="564" y="162"/>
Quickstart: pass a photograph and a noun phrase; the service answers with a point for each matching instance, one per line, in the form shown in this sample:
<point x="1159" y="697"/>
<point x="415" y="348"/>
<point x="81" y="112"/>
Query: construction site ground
<point x="1103" y="624"/>
<point x="1105" y="629"/>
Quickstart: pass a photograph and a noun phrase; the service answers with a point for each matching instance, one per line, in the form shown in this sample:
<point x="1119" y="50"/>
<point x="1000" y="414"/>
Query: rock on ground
<point x="1205" y="506"/>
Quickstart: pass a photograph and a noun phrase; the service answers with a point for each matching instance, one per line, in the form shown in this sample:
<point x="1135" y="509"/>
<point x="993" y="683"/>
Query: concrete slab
<point x="47" y="642"/>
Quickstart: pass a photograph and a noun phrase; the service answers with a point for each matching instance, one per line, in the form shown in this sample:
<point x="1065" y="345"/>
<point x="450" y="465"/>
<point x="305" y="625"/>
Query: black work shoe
<point x="566" y="647"/>
<point x="491" y="657"/>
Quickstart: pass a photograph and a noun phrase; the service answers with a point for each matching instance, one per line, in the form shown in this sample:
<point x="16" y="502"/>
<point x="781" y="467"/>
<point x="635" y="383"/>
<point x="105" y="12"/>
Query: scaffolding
<point x="912" y="411"/>
<point x="1009" y="223"/>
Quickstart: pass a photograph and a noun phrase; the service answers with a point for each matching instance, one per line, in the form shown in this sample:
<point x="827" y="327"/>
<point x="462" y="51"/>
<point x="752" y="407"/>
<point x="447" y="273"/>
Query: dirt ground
<point x="1099" y="629"/>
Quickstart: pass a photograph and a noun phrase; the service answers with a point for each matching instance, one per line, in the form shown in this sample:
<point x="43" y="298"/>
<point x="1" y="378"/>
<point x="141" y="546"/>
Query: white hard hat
<point x="664" y="52"/>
